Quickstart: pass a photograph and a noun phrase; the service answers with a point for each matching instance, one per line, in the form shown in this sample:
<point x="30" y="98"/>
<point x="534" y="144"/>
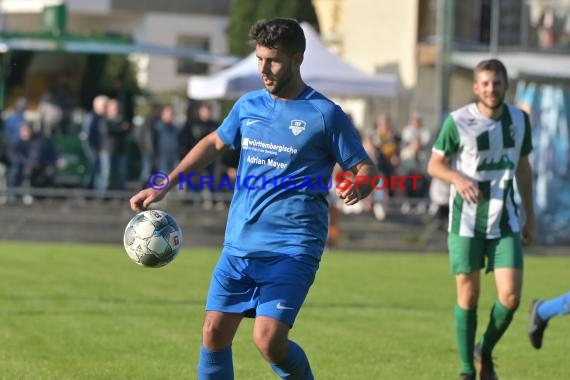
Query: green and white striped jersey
<point x="488" y="152"/>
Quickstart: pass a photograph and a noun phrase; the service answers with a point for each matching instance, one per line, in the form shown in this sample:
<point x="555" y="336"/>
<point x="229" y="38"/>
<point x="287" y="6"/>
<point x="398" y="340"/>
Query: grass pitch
<point x="87" y="312"/>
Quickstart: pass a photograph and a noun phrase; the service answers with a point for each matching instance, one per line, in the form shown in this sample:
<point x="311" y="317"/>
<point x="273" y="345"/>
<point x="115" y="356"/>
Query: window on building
<point x="189" y="66"/>
<point x="427" y="20"/>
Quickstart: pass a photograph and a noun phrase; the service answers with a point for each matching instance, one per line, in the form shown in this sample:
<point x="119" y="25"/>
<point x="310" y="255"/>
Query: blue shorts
<point x="273" y="287"/>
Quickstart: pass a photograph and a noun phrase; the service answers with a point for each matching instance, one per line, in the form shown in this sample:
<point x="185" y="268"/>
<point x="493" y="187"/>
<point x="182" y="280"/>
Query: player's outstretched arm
<point x="524" y="185"/>
<point x="196" y="159"/>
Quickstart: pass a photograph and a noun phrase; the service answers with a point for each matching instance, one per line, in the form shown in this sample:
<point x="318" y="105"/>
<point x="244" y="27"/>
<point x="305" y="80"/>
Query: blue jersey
<point x="288" y="151"/>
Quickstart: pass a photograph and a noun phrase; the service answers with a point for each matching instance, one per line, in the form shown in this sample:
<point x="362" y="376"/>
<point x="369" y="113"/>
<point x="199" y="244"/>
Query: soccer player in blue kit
<point x="290" y="136"/>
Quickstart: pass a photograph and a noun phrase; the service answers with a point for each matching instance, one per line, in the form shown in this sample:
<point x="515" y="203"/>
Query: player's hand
<point x="141" y="200"/>
<point x="467" y="189"/>
<point x="527" y="233"/>
<point x="349" y="196"/>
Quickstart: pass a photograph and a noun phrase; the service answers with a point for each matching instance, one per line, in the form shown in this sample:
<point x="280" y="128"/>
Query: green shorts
<point x="468" y="255"/>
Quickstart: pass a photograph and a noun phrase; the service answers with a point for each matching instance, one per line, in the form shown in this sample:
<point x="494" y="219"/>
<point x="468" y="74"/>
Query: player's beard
<point x="280" y="83"/>
<point x="494" y="105"/>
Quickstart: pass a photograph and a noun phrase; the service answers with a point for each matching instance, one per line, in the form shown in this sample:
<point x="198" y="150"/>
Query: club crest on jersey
<point x="297" y="126"/>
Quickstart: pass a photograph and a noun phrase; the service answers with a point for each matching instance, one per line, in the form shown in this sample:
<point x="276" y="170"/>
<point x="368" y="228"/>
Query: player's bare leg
<point x="219" y="329"/>
<point x="287" y="358"/>
<point x="509" y="286"/>
<point x="271" y="336"/>
<point x="468" y="287"/>
<point x="217" y="335"/>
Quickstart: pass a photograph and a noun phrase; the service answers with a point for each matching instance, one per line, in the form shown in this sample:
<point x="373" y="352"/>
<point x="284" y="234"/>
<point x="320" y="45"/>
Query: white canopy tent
<point x="321" y="69"/>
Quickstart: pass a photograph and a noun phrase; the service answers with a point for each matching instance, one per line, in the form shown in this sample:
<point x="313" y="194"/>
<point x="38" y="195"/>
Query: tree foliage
<point x="245" y="13"/>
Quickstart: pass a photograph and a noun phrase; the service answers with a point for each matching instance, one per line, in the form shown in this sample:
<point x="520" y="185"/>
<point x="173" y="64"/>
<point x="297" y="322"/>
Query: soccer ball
<point x="152" y="238"/>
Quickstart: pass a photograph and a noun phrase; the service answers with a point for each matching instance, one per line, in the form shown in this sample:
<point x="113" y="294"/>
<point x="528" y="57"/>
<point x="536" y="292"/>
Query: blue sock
<point x="295" y="366"/>
<point x="556" y="306"/>
<point x="216" y="365"/>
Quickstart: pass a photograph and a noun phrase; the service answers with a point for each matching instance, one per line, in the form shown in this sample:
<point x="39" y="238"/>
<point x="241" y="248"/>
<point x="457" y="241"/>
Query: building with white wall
<point x="196" y="25"/>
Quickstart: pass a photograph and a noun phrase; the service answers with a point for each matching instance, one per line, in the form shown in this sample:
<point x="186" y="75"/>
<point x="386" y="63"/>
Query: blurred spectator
<point x="167" y="135"/>
<point x="187" y="140"/>
<point x="113" y="157"/>
<point x="91" y="138"/>
<point x="64" y="98"/>
<point x="4" y="162"/>
<point x="387" y="144"/>
<point x="145" y="138"/>
<point x="122" y="92"/>
<point x="14" y="122"/>
<point x="384" y="144"/>
<point x="50" y="115"/>
<point x="33" y="160"/>
<point x="413" y="162"/>
<point x="12" y="127"/>
<point x="547" y="29"/>
<point x="373" y="202"/>
<point x="198" y="125"/>
<point x="439" y="202"/>
<point x="15" y="171"/>
<point x="196" y="128"/>
<point x="416" y="130"/>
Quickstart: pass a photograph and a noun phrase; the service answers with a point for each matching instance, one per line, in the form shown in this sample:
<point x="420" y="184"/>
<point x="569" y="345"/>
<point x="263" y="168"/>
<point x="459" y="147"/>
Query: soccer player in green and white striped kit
<point x="481" y="148"/>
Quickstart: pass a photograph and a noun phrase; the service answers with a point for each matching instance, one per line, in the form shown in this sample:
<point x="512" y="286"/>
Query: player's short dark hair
<point x="279" y="33"/>
<point x="493" y="65"/>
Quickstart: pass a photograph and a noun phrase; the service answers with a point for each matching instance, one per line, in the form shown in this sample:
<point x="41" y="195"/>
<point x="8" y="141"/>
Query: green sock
<point x="501" y="318"/>
<point x="465" y="327"/>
